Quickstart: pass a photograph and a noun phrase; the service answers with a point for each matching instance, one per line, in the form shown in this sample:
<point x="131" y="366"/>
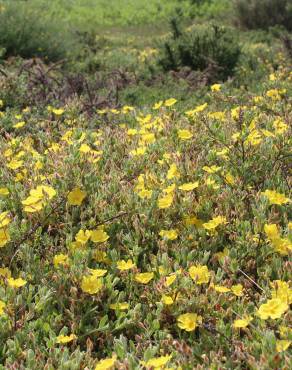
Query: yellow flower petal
<point x="188" y="321"/>
<point x="76" y="197"/>
<point x="144" y="277"/>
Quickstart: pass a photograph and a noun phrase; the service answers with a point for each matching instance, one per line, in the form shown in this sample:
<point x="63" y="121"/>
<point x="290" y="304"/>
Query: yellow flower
<point x="274" y="308"/>
<point x="91" y="284"/>
<point x="221" y="289"/>
<point x="170" y="189"/>
<point x="14" y="164"/>
<point x="275" y="198"/>
<point x="57" y="112"/>
<point x="99" y="236"/>
<point x="216" y="87"/>
<point x="106" y="364"/>
<point x="198" y="109"/>
<point x="274" y="94"/>
<point x="84" y="148"/>
<point x="157" y="105"/>
<point x="124" y="266"/>
<point x="235" y="112"/>
<point x="285" y="331"/>
<point x="157" y="363"/>
<point x="76" y="197"/>
<point x="188" y="321"/>
<point x="216" y="221"/>
<point x="200" y="274"/>
<point x="97" y="272"/>
<point x="184" y="134"/>
<point x="212" y="169"/>
<point x="145" y="194"/>
<point x="254" y="138"/>
<point x="33" y="204"/>
<point x="167" y="300"/>
<point x="144" y="277"/>
<point x="282" y="246"/>
<point x="189" y="186"/>
<point x="165" y="202"/>
<point x="169" y="234"/>
<point x="280" y="127"/>
<point x="282" y="291"/>
<point x="221" y="116"/>
<point x="169" y="280"/>
<point x="16" y="283"/>
<point x="282" y="345"/>
<point x="127" y="109"/>
<point x="61" y="259"/>
<point x="5" y="272"/>
<point x="43" y="191"/>
<point x="36" y="200"/>
<point x="170" y="102"/>
<point x="147" y="138"/>
<point x="63" y="339"/>
<point x="2" y="306"/>
<point x="173" y="172"/>
<point x="82" y="236"/>
<point x="19" y="124"/>
<point x="4" y="219"/>
<point x="120" y="306"/>
<point x="272" y="231"/>
<point x="4" y="191"/>
<point x="258" y="99"/>
<point x="242" y="323"/>
<point x="139" y="151"/>
<point x="132" y="132"/>
<point x="237" y="290"/>
<point x="236" y="136"/>
<point x="267" y="133"/>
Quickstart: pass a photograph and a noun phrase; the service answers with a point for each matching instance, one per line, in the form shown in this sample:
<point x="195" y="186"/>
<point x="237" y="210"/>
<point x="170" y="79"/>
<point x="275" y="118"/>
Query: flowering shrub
<point x="153" y="237"/>
<point x="168" y="229"/>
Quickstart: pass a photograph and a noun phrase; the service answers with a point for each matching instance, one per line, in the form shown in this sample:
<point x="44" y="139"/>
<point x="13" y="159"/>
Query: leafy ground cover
<point x="159" y="239"/>
<point x="145" y="222"/>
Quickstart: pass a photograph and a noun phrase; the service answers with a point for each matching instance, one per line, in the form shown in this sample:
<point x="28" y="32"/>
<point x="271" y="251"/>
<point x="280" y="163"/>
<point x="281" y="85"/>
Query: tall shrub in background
<point x="28" y="31"/>
<point x="253" y="14"/>
<point x="199" y="48"/>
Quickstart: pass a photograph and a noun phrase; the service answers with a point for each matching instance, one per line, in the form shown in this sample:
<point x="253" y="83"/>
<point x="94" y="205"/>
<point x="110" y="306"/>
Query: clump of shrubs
<point x="28" y="30"/>
<point x="199" y="48"/>
<point x="263" y="14"/>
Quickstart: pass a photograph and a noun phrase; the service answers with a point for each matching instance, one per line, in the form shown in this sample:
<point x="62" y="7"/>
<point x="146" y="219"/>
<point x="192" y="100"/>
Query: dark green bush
<point x="200" y="48"/>
<point x="263" y="14"/>
<point x="28" y="30"/>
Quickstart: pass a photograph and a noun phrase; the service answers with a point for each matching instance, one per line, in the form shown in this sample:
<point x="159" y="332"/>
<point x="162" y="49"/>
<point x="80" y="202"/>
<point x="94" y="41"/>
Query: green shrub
<point x="28" y="31"/>
<point x="200" y="48"/>
<point x="263" y="14"/>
